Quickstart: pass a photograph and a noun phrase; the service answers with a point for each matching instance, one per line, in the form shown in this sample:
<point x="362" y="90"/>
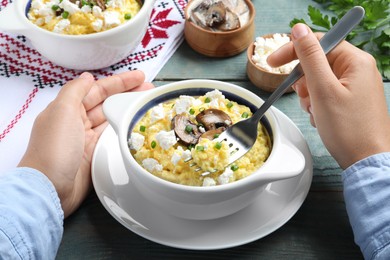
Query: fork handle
<point x="330" y="40"/>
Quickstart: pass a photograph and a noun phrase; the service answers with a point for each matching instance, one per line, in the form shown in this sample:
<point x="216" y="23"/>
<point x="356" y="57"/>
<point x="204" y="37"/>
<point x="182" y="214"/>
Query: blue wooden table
<point x="319" y="230"/>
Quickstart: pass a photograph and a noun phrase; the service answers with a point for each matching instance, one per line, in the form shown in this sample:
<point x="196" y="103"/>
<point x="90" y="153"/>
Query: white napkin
<point x="28" y="81"/>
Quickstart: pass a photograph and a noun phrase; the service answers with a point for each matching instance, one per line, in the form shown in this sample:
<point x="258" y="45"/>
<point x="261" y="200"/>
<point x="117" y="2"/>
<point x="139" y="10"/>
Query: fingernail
<point x="294" y="87"/>
<point x="85" y="75"/>
<point x="310" y="110"/>
<point x="299" y="30"/>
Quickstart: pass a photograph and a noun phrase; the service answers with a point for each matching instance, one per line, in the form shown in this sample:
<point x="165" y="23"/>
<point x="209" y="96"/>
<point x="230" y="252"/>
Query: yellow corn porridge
<point x="173" y="132"/>
<point x="78" y="17"/>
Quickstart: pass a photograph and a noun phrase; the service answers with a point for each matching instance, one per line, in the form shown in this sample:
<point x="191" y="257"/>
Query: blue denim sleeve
<point x="367" y="198"/>
<point x="31" y="217"/>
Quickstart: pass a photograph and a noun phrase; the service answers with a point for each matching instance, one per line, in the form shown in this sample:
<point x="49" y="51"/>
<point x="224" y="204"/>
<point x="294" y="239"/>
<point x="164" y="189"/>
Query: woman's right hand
<point x="343" y="93"/>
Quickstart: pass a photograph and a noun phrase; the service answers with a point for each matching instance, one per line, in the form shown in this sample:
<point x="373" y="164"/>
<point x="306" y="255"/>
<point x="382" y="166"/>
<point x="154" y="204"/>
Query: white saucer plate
<point x="271" y="210"/>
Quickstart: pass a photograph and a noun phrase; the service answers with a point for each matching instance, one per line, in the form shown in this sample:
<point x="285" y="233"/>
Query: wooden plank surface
<point x="319" y="230"/>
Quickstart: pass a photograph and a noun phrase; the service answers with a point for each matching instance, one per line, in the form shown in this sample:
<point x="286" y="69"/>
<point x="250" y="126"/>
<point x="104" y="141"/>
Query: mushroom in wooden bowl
<point x="219" y="28"/>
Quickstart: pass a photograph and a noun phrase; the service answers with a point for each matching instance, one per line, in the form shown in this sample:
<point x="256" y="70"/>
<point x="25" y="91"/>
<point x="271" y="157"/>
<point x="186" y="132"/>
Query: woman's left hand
<point x="64" y="135"/>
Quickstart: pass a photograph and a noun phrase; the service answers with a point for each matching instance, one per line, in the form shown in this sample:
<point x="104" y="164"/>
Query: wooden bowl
<point x="260" y="77"/>
<point x="219" y="44"/>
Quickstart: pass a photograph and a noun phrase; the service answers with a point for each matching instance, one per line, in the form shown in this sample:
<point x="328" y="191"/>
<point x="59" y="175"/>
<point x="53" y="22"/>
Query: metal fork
<point x="242" y="135"/>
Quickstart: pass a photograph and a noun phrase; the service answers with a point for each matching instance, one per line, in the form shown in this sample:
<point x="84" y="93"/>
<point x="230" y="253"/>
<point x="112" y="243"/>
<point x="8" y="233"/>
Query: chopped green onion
<point x="234" y="167"/>
<point x="153" y="144"/>
<point x="127" y="16"/>
<point x="65" y="15"/>
<point x="188" y="129"/>
<point x="207" y="100"/>
<point x="142" y="128"/>
<point x="218" y="145"/>
<point x="229" y="105"/>
<point x="192" y="111"/>
<point x="55" y="7"/>
<point x="200" y="148"/>
<point x="84" y="2"/>
<point x="245" y="115"/>
<point x="216" y="136"/>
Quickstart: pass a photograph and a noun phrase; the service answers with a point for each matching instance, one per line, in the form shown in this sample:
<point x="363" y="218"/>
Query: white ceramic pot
<point x="80" y="52"/>
<point x="285" y="160"/>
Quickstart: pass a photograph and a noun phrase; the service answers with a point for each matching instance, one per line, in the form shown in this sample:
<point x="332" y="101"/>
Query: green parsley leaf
<point x="371" y="35"/>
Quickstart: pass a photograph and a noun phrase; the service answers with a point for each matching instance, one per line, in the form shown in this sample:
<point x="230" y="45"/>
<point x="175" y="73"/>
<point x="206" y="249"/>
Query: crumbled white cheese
<point x="70" y="7"/>
<point x="40" y="21"/>
<point x="208" y="182"/>
<point x="97" y="11"/>
<point x="61" y="26"/>
<point x="215" y="94"/>
<point x="46" y="11"/>
<point x="157" y="113"/>
<point x="136" y="141"/>
<point x="166" y="139"/>
<point x="97" y="25"/>
<point x="115" y="3"/>
<point x="265" y="46"/>
<point x="183" y="104"/>
<point x="37" y="5"/>
<point x="86" y="9"/>
<point x="225" y="176"/>
<point x="111" y="19"/>
<point x="214" y="103"/>
<point x="179" y="153"/>
<point x="151" y="165"/>
<point x="175" y="158"/>
<point x="186" y="155"/>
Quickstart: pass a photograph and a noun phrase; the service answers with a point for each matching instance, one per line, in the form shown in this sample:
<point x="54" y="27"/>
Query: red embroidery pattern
<point x="18" y="57"/>
<point x="157" y="26"/>
<point x="20" y="113"/>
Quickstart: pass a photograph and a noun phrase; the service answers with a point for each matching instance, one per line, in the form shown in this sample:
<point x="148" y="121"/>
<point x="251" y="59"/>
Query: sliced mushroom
<point x="181" y="124"/>
<point x="213" y="118"/>
<point x="232" y="22"/>
<point x="216" y="14"/>
<point x="212" y="134"/>
<point x="101" y="4"/>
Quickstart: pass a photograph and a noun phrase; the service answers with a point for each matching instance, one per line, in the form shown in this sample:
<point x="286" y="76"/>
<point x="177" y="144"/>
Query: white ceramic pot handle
<point x="291" y="161"/>
<point x="116" y="106"/>
<point x="10" y="20"/>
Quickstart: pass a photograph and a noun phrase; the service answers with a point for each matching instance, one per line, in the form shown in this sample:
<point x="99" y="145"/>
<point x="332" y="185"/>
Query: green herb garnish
<point x="234" y="167"/>
<point x="127" y="16"/>
<point x="371" y="35"/>
<point x="192" y="111"/>
<point x="188" y="129"/>
<point x="200" y="148"/>
<point x="245" y="115"/>
<point x="153" y="144"/>
<point x="65" y="15"/>
<point x="218" y="145"/>
<point x="55" y="7"/>
<point x="207" y="100"/>
<point x="142" y="128"/>
<point x="229" y="105"/>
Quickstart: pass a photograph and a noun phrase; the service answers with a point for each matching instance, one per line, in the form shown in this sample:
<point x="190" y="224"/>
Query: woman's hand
<point x="64" y="135"/>
<point x="343" y="93"/>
